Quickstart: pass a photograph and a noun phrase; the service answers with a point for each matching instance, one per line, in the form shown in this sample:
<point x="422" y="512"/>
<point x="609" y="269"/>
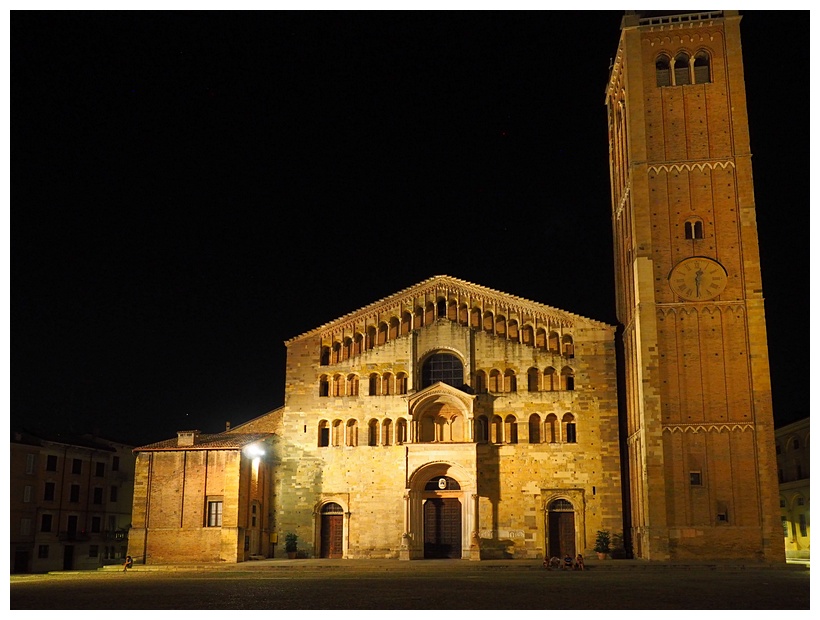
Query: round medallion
<point x="698" y="279"/>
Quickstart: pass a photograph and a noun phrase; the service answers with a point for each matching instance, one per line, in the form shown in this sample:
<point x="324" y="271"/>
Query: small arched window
<point x="535" y="428"/>
<point x="701" y="67"/>
<point x="381" y="337"/>
<point x="533" y="380"/>
<point x="401" y="431"/>
<point x="324" y="358"/>
<point x="429" y="313"/>
<point x="373" y="432"/>
<point x="352" y="385"/>
<point x="553" y="342"/>
<point x="352" y="434"/>
<point x="475" y="318"/>
<point x="568" y="378"/>
<point x="527" y="336"/>
<point x="406" y="323"/>
<point x="568" y="428"/>
<point x="488" y="322"/>
<point x="510" y="382"/>
<point x="387" y="384"/>
<point x="324" y="434"/>
<point x="338" y="385"/>
<point x="550" y="379"/>
<point x="511" y="429"/>
<point x="441" y="309"/>
<point x="358" y="344"/>
<point x="693" y="228"/>
<point x="324" y="386"/>
<point x="662" y="73"/>
<point x="401" y="383"/>
<point x="495" y="381"/>
<point x="337" y="352"/>
<point x="568" y="346"/>
<point x="418" y="318"/>
<point x="394" y="328"/>
<point x="512" y="330"/>
<point x="551" y="428"/>
<point x="338" y="430"/>
<point x="373" y="384"/>
<point x="682" y="69"/>
<point x="480" y="382"/>
<point x="496" y="429"/>
<point x="387" y="432"/>
<point x="371" y="338"/>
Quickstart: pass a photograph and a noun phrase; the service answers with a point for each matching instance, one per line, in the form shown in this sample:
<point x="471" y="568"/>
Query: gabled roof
<point x="218" y="441"/>
<point x="405" y="298"/>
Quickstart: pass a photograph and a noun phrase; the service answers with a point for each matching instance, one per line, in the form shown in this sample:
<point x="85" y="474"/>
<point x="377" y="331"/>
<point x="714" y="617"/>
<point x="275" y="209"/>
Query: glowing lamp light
<point x="253" y="450"/>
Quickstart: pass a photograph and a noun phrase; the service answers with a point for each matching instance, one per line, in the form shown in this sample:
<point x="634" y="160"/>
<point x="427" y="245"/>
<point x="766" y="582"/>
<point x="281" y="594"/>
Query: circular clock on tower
<point x="698" y="279"/>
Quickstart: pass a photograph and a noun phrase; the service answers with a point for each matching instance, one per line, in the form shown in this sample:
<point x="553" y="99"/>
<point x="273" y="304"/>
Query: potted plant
<point x="602" y="544"/>
<point x="290" y="544"/>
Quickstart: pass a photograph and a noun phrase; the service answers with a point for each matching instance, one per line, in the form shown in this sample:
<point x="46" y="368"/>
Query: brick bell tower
<point x="698" y="409"/>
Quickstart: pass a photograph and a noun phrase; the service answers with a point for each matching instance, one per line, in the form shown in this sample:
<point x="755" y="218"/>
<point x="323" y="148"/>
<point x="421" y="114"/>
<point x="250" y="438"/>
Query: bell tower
<point x="698" y="408"/>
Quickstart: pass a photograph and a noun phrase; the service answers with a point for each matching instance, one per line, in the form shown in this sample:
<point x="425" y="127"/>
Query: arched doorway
<point x="442" y="519"/>
<point x="332" y="517"/>
<point x="561" y="528"/>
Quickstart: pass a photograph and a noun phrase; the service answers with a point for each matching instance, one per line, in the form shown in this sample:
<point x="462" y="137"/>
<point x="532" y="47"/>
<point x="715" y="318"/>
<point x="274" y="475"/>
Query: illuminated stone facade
<point x="450" y="419"/>
<point x="699" y="424"/>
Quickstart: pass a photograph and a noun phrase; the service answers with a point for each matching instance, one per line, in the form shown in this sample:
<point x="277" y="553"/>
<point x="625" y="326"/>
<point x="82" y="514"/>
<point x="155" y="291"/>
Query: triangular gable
<point x="448" y="286"/>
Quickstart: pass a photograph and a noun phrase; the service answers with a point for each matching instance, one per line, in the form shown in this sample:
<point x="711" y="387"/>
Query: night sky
<point x="190" y="190"/>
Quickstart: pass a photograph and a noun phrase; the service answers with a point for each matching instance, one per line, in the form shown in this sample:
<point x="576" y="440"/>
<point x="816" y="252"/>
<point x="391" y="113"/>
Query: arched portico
<point x="440" y="512"/>
<point x="441" y="414"/>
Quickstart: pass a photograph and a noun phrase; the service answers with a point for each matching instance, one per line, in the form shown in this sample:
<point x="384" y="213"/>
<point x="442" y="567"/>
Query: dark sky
<point x="190" y="190"/>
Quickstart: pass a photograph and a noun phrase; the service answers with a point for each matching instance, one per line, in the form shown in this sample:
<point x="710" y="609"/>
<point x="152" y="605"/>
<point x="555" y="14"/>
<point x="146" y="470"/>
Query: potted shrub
<point x="290" y="544"/>
<point x="602" y="544"/>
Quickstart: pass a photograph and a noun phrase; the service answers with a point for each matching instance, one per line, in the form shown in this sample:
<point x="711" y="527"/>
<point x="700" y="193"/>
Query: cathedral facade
<point x="450" y="420"/>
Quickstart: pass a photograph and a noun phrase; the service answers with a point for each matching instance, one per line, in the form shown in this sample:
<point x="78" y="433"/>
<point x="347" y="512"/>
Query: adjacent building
<point x="71" y="500"/>
<point x="203" y="497"/>
<point x="793" y="464"/>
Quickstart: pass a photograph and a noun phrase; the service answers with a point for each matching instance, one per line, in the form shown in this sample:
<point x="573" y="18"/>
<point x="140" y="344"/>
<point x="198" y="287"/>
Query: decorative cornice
<point x="708" y="428"/>
<point x="690" y="166"/>
<point x="705" y="427"/>
<point x="702" y="306"/>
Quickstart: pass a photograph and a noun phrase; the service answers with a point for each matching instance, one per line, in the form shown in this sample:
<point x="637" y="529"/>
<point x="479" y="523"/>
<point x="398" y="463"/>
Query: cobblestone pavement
<point x="438" y="584"/>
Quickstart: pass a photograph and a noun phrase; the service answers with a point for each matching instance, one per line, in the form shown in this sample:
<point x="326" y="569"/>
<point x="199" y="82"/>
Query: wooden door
<point x="561" y="534"/>
<point x="442" y="528"/>
<point x="331" y="544"/>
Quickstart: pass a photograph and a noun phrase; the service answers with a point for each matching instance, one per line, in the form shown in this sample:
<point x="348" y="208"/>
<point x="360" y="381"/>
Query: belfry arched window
<point x="662" y="72"/>
<point x="682" y="69"/>
<point x="701" y="68"/>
